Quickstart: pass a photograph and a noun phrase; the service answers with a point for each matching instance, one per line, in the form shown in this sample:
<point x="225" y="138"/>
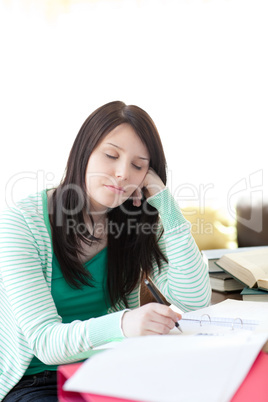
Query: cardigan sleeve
<point x="24" y="256"/>
<point x="184" y="280"/>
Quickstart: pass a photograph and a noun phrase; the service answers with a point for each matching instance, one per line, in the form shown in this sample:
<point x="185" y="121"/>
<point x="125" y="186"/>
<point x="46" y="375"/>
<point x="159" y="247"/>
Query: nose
<point x="122" y="171"/>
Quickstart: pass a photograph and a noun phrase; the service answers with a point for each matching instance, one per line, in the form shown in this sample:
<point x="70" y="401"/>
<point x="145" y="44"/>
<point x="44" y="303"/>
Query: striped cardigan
<point x="29" y="322"/>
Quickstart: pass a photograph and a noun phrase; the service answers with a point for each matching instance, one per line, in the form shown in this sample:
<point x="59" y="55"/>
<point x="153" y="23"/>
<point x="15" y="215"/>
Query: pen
<point x="158" y="299"/>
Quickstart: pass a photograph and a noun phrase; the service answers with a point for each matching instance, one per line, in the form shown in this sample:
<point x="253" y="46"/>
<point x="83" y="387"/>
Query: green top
<point x="72" y="303"/>
<point x="29" y="321"/>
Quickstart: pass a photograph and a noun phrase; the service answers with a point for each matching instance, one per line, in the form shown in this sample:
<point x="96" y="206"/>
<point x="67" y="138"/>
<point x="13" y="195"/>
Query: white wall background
<point x="198" y="67"/>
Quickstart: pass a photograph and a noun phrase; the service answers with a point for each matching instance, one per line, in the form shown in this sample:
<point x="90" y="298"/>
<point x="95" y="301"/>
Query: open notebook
<point x="170" y="368"/>
<point x="225" y="316"/>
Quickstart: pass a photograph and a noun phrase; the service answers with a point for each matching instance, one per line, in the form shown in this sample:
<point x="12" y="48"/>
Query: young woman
<point x="72" y="258"/>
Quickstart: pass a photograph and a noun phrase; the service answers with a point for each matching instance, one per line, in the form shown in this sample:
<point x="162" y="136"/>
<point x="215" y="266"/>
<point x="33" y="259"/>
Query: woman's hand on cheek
<point x="152" y="184"/>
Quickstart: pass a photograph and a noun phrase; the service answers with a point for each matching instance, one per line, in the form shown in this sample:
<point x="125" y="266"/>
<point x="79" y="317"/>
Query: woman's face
<point x="115" y="169"/>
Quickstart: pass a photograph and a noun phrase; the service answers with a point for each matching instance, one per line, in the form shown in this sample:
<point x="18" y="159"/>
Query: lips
<point x="115" y="189"/>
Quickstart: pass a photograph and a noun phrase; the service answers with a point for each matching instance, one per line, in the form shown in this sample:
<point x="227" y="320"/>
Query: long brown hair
<point x="134" y="251"/>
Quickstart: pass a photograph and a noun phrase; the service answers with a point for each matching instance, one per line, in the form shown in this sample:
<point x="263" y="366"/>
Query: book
<point x="141" y="367"/>
<point x="223" y="282"/>
<point x="216" y="349"/>
<point x="253" y="388"/>
<point x="254" y="295"/>
<point x="212" y="256"/>
<point x="249" y="267"/>
<point x="218" y="297"/>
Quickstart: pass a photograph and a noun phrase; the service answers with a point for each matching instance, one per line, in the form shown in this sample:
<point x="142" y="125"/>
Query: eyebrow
<point x="116" y="146"/>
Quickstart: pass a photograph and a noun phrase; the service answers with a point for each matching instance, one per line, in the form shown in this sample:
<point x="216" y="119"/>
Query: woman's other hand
<point x="151" y="185"/>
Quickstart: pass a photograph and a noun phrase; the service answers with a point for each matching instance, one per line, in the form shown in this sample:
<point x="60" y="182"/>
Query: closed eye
<point x="137" y="167"/>
<point x="115" y="157"/>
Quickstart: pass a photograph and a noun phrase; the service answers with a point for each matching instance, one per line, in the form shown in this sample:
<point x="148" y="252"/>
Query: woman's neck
<point x="97" y="228"/>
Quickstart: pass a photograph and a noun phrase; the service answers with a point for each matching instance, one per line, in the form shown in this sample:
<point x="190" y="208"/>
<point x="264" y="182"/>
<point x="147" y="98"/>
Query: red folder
<point x="255" y="385"/>
<point x="65" y="372"/>
<point x="253" y="388"/>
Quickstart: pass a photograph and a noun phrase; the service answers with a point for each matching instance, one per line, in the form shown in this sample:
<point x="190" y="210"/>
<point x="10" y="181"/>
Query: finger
<point x="160" y="325"/>
<point x="166" y="311"/>
<point x="137" y="196"/>
<point x="157" y="328"/>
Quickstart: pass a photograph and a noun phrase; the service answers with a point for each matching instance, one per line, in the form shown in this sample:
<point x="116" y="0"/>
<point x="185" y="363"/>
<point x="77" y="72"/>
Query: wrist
<point x="122" y="322"/>
<point x="154" y="189"/>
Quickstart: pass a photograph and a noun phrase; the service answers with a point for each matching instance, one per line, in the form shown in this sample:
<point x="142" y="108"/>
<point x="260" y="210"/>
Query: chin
<point x="107" y="202"/>
<point x="115" y="204"/>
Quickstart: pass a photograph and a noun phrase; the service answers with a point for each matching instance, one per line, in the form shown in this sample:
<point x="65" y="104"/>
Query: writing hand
<point x="150" y="319"/>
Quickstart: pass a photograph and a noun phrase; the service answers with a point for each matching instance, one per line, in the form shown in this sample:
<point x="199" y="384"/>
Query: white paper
<point x="171" y="368"/>
<point x="246" y="310"/>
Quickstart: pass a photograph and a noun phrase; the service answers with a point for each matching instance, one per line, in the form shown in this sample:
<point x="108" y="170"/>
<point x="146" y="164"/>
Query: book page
<point x="231" y="309"/>
<point x="239" y="272"/>
<point x="263" y="284"/>
<point x="170" y="368"/>
<point x="260" y="260"/>
<point x="255" y="261"/>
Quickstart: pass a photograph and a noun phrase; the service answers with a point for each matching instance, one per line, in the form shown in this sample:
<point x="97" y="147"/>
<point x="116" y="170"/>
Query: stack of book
<point x="233" y="270"/>
<point x="249" y="294"/>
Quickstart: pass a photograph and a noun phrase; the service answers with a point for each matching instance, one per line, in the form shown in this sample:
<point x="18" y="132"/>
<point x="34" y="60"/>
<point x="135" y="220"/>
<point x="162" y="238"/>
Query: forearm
<point x="64" y="343"/>
<point x="184" y="281"/>
<point x="27" y="300"/>
<point x="42" y="331"/>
